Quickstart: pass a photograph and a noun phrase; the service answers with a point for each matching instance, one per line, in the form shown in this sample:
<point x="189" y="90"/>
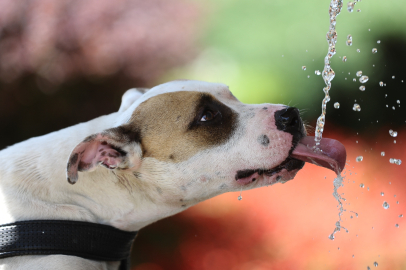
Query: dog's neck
<point x="108" y="197"/>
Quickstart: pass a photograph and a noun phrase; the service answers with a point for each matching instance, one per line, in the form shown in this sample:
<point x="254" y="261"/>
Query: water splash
<point x="338" y="182"/>
<point x="328" y="73"/>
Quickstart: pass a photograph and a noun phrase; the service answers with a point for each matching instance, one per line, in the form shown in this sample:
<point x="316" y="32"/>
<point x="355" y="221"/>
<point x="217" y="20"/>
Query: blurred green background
<point x="258" y="48"/>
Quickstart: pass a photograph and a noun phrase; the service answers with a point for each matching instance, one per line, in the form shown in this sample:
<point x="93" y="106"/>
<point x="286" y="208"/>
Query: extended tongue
<point x="332" y="155"/>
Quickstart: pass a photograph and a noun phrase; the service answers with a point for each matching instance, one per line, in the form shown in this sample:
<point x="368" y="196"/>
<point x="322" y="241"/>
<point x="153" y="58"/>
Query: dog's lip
<point x="289" y="164"/>
<point x="332" y="155"/>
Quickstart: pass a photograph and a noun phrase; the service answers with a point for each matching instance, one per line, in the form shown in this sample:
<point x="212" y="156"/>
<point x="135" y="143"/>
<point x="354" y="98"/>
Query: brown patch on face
<point x="171" y="129"/>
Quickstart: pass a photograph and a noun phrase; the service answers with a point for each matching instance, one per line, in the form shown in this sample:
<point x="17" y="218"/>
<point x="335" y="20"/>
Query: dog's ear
<point x="115" y="148"/>
<point x="130" y="96"/>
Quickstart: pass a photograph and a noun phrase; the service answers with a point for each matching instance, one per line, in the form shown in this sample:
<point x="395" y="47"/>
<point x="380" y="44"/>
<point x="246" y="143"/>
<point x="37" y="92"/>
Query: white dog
<point x="178" y="144"/>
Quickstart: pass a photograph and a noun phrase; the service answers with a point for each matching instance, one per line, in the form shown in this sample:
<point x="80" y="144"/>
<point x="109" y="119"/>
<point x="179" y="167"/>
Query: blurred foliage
<point x="65" y="62"/>
<point x="258" y="49"/>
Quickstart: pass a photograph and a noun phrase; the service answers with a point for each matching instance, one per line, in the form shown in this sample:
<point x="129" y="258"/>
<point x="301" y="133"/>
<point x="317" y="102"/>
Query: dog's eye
<point x="208" y="115"/>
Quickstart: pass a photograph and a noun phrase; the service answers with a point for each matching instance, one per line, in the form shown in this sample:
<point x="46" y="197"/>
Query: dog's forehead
<point x="218" y="90"/>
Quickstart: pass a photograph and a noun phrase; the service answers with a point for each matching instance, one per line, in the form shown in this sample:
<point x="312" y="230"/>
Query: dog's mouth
<point x="331" y="154"/>
<point x="289" y="164"/>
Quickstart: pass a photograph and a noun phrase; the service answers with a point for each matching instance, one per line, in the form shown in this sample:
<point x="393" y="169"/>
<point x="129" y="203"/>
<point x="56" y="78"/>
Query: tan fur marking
<point x="164" y="122"/>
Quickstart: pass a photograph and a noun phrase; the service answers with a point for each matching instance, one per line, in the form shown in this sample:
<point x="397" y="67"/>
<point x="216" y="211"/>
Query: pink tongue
<point x="332" y="155"/>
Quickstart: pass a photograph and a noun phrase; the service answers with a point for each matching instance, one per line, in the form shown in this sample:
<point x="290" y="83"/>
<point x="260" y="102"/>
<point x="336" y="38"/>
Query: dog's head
<point x="191" y="140"/>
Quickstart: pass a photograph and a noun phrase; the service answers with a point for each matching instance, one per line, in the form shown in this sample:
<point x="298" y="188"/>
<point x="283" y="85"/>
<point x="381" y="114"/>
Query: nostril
<point x="288" y="119"/>
<point x="289" y="115"/>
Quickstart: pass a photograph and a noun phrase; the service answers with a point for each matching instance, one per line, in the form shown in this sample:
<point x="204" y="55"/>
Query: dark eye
<point x="208" y="115"/>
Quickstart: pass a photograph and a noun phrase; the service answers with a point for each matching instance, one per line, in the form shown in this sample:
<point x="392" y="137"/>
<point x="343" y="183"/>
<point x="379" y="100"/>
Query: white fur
<point x="33" y="183"/>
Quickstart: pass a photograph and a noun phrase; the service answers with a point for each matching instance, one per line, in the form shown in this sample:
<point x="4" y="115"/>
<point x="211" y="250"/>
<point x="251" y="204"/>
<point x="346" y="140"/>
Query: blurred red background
<point x="287" y="226"/>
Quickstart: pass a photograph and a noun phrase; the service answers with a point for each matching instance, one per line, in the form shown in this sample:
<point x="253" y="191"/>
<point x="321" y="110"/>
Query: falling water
<point x="328" y="73"/>
<point x="338" y="182"/>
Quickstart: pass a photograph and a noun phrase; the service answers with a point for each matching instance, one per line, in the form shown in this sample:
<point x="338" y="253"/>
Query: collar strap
<point x="77" y="238"/>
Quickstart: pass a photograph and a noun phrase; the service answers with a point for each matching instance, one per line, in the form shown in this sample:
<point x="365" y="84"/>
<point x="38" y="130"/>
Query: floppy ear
<point x="115" y="148"/>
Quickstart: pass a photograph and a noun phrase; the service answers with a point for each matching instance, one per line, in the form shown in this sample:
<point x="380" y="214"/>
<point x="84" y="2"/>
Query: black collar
<point x="77" y="238"/>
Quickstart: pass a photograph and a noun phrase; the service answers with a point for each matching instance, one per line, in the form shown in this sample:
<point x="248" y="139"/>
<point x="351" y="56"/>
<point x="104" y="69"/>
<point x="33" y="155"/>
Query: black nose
<point x="288" y="120"/>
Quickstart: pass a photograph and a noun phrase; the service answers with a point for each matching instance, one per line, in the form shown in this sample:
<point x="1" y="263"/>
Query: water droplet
<point x="375" y="264"/>
<point x="240" y="198"/>
<point x="363" y="79"/>
<point x="393" y="133"/>
<point x="397" y="202"/>
<point x="359" y="73"/>
<point x="344" y="58"/>
<point x="398" y="101"/>
<point x="358" y="10"/>
<point x="374" y="50"/>
<point x="350" y="6"/>
<point x="385" y="205"/>
<point x="337" y="105"/>
<point x="356" y="107"/>
<point x="400" y="215"/>
<point x="382" y="194"/>
<point x="317" y="72"/>
<point x="393" y="77"/>
<point x="362" y="185"/>
<point x="304" y="67"/>
<point x="378" y="42"/>
<point x="397" y="225"/>
<point x="381" y="84"/>
<point x="362" y="88"/>
<point x="359" y="158"/>
<point x="349" y="42"/>
<point x="383" y="154"/>
<point x="308" y="76"/>
<point x="395" y="161"/>
<point x="358" y="50"/>
<point x="368" y="268"/>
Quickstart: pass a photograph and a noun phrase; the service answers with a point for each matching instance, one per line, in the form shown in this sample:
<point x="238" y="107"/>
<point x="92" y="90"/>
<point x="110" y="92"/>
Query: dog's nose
<point x="288" y="120"/>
